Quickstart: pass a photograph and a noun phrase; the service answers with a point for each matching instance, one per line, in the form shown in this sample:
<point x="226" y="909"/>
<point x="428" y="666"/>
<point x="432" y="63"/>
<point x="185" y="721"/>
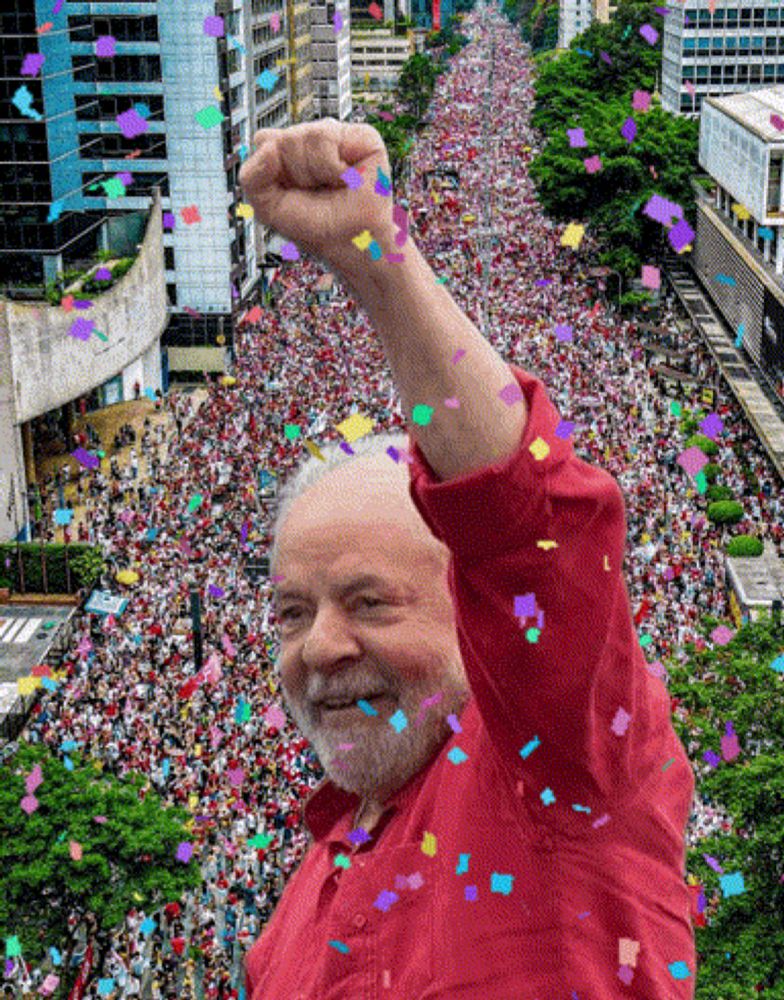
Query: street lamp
<point x="198" y="651"/>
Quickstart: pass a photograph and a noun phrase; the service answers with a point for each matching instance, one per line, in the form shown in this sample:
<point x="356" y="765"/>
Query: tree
<point x="745" y="545"/>
<point x="580" y="89"/>
<point x="64" y="856"/>
<point x="749" y="695"/>
<point x="416" y="83"/>
<point x="725" y="512"/>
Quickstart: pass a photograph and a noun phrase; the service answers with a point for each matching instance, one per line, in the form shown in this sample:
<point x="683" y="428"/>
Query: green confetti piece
<point x="292" y="431"/>
<point x="675" y="409"/>
<point x="646" y="640"/>
<point x="261" y="840"/>
<point x="532" y="634"/>
<point x="670" y="761"/>
<point x="12" y="947"/>
<point x="701" y="482"/>
<point x="104" y="338"/>
<point x="422" y="415"/>
<point x="209" y="116"/>
<point x="342" y="861"/>
<point x="195" y="502"/>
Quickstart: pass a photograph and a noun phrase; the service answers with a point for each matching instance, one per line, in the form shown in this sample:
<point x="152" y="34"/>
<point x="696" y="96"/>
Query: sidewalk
<point x="766" y="418"/>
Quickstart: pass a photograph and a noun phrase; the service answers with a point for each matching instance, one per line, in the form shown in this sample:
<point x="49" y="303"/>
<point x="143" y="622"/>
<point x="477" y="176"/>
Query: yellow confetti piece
<point x="539" y="449"/>
<point x="363" y="241"/>
<point x="741" y="211"/>
<point x="193" y="802"/>
<point x="314" y="450"/>
<point x="573" y="235"/>
<point x="429" y="845"/>
<point x="607" y="564"/>
<point x="355" y="427"/>
<point x="547" y="544"/>
<point x="26" y="685"/>
<point x="218" y="94"/>
<point x="245" y="211"/>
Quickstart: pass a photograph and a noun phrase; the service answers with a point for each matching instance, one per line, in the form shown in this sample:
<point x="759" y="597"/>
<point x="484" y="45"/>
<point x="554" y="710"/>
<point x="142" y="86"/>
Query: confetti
<point x="184" y="851"/>
<point x="429" y="845"/>
<point x="547" y="796"/>
<point x="105" y="46"/>
<point x="462" y="864"/>
<point x="32" y="63"/>
<point x="651" y="276"/>
<point x="289" y="252"/>
<point x="385" y="900"/>
<point x="355" y="427"/>
<point x="398" y="721"/>
<point x="422" y="415"/>
<point x="210" y="116"/>
<point x="352" y="178"/>
<point x="539" y="448"/>
<point x="650" y="34"/>
<point x="267" y="80"/>
<point x="564" y="332"/>
<point x="576" y="138"/>
<point x="641" y="100"/>
<point x="29" y="804"/>
<point x="572" y="236"/>
<point x="214" y="26"/>
<point x="593" y="164"/>
<point x="629" y="129"/>
<point x="131" y="123"/>
<point x="190" y="215"/>
<point x="339" y="946"/>
<point x="501" y="883"/>
<point x="529" y="748"/>
<point x="457" y="756"/>
<point x="620" y="722"/>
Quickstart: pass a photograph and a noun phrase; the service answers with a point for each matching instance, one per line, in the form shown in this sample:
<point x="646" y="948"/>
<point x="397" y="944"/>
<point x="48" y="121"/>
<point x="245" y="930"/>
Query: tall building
<point x="331" y="59"/>
<point x="714" y="50"/>
<point x="377" y="57"/>
<point x="739" y="247"/>
<point x="574" y="17"/>
<point x="299" y="61"/>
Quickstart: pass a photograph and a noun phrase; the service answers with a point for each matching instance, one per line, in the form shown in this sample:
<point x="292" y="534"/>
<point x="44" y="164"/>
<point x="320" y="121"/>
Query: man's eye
<point x="371" y="602"/>
<point x="286" y="614"/>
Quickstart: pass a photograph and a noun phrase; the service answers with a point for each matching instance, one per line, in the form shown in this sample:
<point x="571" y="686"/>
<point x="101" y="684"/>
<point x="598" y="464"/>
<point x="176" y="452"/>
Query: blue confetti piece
<point x="741" y="332"/>
<point x="778" y="664"/>
<point x="732" y="885"/>
<point x="581" y="809"/>
<point x="462" y="864"/>
<point x="267" y="79"/>
<point x="68" y="763"/>
<point x="339" y="946"/>
<point x="57" y="958"/>
<point x="105" y="987"/>
<point x="547" y="796"/>
<point x="585" y="52"/>
<point x="366" y="707"/>
<point x="48" y="683"/>
<point x="68" y="745"/>
<point x="679" y="970"/>
<point x="55" y="211"/>
<point x="725" y="279"/>
<point x="376" y="252"/>
<point x="398" y="721"/>
<point x="457" y="756"/>
<point x="765" y="233"/>
<point x="501" y="883"/>
<point x="529" y="748"/>
<point x="148" y="926"/>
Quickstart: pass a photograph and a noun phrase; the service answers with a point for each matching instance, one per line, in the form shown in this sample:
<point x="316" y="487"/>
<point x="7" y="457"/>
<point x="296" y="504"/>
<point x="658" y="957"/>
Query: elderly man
<point x="504" y="812"/>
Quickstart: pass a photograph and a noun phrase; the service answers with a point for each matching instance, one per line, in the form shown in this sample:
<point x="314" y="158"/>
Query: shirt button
<point x="359" y="920"/>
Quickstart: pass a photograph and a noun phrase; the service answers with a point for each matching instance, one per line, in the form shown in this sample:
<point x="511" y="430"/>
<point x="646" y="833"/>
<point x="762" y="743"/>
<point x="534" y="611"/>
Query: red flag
<point x="77" y="991"/>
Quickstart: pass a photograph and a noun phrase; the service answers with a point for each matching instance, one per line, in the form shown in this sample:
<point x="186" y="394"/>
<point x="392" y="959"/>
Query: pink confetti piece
<point x="600" y="821"/>
<point x="400" y="218"/>
<point x="275" y="22"/>
<point x="454" y="723"/>
<point x="33" y="779"/>
<point x="641" y="100"/>
<point x="75" y="850"/>
<point x="625" y="974"/>
<point x="452" y="403"/>
<point x="458" y="355"/>
<point x="275" y="716"/>
<point x="99" y="819"/>
<point x="511" y="394"/>
<point x="692" y="460"/>
<point x="651" y="276"/>
<point x="236" y="776"/>
<point x="620" y="722"/>
<point x="29" y="804"/>
<point x="593" y="164"/>
<point x="777" y="122"/>
<point x="721" y="635"/>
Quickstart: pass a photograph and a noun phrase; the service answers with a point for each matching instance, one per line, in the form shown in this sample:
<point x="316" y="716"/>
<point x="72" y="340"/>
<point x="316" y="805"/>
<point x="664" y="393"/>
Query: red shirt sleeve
<point x="558" y="674"/>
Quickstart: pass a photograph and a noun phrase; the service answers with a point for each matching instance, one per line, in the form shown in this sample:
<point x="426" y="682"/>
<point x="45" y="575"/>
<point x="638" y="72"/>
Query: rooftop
<point x="753" y="110"/>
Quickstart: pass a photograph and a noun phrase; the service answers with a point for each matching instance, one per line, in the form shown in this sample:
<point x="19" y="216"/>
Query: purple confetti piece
<point x="650" y="34"/>
<point x="563" y="331"/>
<point x="662" y="11"/>
<point x="629" y="129"/>
<point x="214" y="26"/>
<point x="543" y="282"/>
<point x="169" y="220"/>
<point x="125" y="178"/>
<point x="81" y="328"/>
<point x="395" y="258"/>
<point x="348" y="449"/>
<point x="393" y="453"/>
<point x="131" y="123"/>
<point x="564" y="429"/>
<point x="353" y="178"/>
<point x="401" y="882"/>
<point x="470" y="893"/>
<point x="454" y="723"/>
<point x="525" y="605"/>
<point x="184" y="852"/>
<point x="32" y="63"/>
<point x="576" y="138"/>
<point x="358" y="836"/>
<point x="381" y="189"/>
<point x="713" y="863"/>
<point x="214" y="591"/>
<point x="605" y="57"/>
<point x="626" y="974"/>
<point x="105" y="46"/>
<point x="385" y="900"/>
<point x="103" y="274"/>
<point x="289" y="252"/>
<point x="712" y="426"/>
<point x="58" y="6"/>
<point x="511" y="393"/>
<point x="681" y="235"/>
<point x="338" y="21"/>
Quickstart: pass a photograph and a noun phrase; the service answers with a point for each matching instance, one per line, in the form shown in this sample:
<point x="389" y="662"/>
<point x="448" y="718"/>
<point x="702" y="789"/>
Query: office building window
<point x="115" y="146"/>
<point x="128" y="28"/>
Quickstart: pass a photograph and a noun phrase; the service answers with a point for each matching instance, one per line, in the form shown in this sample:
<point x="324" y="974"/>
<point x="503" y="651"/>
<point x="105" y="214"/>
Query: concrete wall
<point x="50" y="367"/>
<point x="42" y="366"/>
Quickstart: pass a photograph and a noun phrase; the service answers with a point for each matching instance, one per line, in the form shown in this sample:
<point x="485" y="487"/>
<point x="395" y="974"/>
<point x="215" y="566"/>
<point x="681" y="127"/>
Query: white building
<point x="739" y="248"/>
<point x="331" y="59"/>
<point x="377" y="57"/>
<point x="576" y="16"/>
<point x="734" y="47"/>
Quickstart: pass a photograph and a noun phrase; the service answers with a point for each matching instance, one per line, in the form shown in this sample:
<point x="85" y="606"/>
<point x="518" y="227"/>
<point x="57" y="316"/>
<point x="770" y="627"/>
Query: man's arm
<point x="422" y="329"/>
<point x="295" y="182"/>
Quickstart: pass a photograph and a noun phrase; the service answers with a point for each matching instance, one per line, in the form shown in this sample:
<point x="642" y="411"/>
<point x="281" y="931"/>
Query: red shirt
<point x="562" y="833"/>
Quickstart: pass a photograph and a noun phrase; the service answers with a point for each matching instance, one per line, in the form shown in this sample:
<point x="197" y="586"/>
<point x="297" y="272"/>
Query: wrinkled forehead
<point x="361" y="510"/>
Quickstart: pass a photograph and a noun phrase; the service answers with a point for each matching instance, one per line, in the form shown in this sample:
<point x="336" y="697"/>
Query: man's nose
<point x="330" y="641"/>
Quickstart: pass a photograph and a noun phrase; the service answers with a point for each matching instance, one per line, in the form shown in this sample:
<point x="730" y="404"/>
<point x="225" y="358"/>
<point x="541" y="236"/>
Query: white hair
<point x="314" y="469"/>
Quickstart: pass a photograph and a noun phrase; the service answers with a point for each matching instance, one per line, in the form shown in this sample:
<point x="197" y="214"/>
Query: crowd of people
<point x="131" y="699"/>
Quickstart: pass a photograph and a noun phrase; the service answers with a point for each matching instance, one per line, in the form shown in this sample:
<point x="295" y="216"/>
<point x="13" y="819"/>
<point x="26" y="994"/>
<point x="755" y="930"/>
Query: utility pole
<point x="198" y="652"/>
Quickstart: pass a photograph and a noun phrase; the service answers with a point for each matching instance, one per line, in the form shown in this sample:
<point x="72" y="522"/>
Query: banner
<point x="77" y="992"/>
<point x="104" y="602"/>
<point x="436" y="15"/>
